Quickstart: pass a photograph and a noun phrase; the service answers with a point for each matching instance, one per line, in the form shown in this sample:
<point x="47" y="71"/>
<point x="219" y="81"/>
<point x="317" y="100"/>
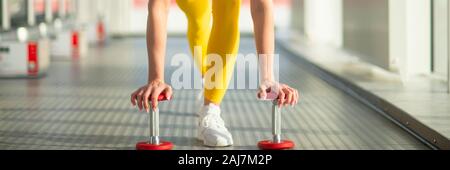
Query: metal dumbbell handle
<point x="154" y="123"/>
<point x="276" y="122"/>
<point x="276" y="117"/>
<point x="154" y="127"/>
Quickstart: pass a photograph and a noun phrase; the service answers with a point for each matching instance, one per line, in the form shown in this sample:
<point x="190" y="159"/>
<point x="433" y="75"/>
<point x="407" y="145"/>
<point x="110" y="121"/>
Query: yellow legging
<point x="222" y="39"/>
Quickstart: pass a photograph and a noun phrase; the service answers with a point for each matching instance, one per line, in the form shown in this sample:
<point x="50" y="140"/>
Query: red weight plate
<point x="269" y="145"/>
<point x="145" y="146"/>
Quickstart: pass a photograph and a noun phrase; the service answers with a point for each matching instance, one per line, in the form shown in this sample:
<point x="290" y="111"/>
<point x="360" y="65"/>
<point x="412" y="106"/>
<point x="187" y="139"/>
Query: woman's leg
<point x="198" y="13"/>
<point x="224" y="41"/>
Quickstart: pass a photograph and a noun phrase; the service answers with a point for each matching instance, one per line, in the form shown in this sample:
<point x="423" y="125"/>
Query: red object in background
<point x="101" y="32"/>
<point x="55" y="6"/>
<point x="39" y="6"/>
<point x="75" y="39"/>
<point x="75" y="44"/>
<point x="140" y="4"/>
<point x="33" y="65"/>
<point x="68" y="6"/>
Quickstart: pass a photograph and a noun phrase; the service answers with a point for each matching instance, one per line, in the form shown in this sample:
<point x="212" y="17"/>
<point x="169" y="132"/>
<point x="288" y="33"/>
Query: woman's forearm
<point x="263" y="21"/>
<point x="157" y="38"/>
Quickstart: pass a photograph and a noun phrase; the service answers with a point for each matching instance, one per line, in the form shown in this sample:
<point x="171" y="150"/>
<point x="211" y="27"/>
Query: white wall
<point x="410" y="36"/>
<point x="30" y="11"/>
<point x="123" y="17"/>
<point x="323" y="21"/>
<point x="5" y="16"/>
<point x="448" y="48"/>
<point x="440" y="37"/>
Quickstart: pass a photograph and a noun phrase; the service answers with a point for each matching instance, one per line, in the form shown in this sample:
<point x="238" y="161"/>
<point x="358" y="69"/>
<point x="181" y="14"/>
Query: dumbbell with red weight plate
<point x="276" y="143"/>
<point x="154" y="142"/>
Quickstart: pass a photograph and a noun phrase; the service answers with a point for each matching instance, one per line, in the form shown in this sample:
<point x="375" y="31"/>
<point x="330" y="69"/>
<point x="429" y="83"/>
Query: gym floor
<point x="84" y="104"/>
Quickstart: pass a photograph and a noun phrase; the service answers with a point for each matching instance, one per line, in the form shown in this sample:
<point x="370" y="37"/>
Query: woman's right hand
<point x="283" y="93"/>
<point x="150" y="92"/>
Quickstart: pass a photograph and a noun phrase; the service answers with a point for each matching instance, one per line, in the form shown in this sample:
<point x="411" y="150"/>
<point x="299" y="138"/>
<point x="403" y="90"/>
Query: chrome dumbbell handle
<point x="276" y="116"/>
<point x="154" y="127"/>
<point x="154" y="122"/>
<point x="276" y="122"/>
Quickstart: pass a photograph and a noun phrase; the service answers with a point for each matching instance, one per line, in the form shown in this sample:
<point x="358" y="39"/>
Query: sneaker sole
<point x="205" y="143"/>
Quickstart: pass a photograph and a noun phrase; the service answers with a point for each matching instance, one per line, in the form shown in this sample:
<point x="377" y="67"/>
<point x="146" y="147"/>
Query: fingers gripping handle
<point x="270" y="96"/>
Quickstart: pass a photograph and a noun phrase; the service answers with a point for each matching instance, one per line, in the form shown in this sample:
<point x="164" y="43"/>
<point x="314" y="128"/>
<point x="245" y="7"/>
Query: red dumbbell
<point x="276" y="143"/>
<point x="154" y="142"/>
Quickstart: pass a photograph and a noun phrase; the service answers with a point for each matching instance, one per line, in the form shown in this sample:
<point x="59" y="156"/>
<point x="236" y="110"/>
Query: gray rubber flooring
<point x="85" y="105"/>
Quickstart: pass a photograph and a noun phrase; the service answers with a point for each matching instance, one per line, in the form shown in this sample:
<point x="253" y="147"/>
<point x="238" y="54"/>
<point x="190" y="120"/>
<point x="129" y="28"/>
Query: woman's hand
<point x="158" y="11"/>
<point x="264" y="27"/>
<point x="150" y="92"/>
<point x="286" y="95"/>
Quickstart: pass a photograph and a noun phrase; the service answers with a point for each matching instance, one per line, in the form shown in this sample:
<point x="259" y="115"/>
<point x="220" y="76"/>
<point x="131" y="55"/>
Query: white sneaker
<point x="212" y="130"/>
